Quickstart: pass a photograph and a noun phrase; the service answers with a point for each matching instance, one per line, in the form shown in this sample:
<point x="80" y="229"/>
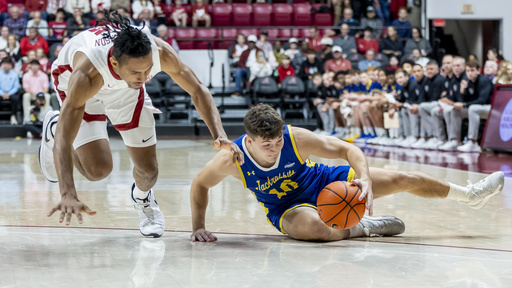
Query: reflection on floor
<point x="446" y="244"/>
<point x="476" y="162"/>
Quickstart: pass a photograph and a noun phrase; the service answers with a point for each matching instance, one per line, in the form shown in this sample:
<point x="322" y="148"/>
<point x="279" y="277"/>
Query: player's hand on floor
<point x="69" y="206"/>
<point x="366" y="188"/>
<point x="201" y="235"/>
<point x="226" y="144"/>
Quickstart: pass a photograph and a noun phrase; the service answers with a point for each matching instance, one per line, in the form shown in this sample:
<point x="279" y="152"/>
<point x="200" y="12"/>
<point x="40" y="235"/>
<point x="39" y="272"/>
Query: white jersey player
<point x="101" y="73"/>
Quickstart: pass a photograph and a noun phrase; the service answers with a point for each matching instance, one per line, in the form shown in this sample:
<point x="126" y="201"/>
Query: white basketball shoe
<point x="152" y="222"/>
<point x="382" y="226"/>
<point x="481" y="192"/>
<point x="46" y="149"/>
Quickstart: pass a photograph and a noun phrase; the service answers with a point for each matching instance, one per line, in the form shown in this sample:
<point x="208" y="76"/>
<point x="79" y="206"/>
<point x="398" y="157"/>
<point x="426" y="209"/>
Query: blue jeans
<point x="384" y="13"/>
<point x="240" y="74"/>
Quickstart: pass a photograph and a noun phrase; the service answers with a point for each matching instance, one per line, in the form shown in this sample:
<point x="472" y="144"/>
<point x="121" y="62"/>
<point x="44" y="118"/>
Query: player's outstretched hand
<point x="202" y="235"/>
<point x="69" y="206"/>
<point x="226" y="144"/>
<point x="366" y="188"/>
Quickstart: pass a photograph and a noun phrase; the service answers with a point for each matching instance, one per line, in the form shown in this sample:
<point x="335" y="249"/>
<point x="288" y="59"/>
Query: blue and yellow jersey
<point x="290" y="182"/>
<point x="370" y="87"/>
<point x="390" y="88"/>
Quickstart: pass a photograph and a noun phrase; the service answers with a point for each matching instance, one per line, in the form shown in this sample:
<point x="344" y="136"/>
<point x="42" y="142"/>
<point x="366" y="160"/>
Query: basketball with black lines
<point x="338" y="205"/>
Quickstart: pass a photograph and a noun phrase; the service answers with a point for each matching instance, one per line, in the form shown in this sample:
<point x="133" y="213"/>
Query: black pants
<point x="14" y="101"/>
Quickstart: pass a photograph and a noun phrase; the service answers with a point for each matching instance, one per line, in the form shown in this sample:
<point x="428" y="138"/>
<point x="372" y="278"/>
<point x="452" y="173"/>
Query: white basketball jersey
<point x="115" y="99"/>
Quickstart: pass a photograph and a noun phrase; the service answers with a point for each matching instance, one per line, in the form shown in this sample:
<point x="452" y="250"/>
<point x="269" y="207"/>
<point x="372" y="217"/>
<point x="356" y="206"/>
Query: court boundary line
<point x="266" y="235"/>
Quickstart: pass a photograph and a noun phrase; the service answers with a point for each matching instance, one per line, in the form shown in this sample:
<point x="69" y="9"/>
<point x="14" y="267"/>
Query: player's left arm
<point x="203" y="100"/>
<point x="309" y="143"/>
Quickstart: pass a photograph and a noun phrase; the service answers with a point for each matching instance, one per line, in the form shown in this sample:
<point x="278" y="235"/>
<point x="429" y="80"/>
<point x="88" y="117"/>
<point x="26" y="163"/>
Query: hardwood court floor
<point x="446" y="244"/>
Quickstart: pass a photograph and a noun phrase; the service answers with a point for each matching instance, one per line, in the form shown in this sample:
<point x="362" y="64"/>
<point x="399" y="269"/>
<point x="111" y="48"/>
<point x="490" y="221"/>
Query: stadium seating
<point x="185" y="38"/>
<point x="262" y="14"/>
<point x="222" y="14"/>
<point x="302" y="14"/>
<point x="248" y="32"/>
<point x="242" y="14"/>
<point x="322" y="19"/>
<point x="282" y="14"/>
<point x="209" y="35"/>
<point x="288" y="33"/>
<point x="229" y="37"/>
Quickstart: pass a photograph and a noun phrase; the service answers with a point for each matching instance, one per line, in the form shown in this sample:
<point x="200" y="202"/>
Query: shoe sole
<point x="42" y="151"/>
<point x="154" y="235"/>
<point x="482" y="203"/>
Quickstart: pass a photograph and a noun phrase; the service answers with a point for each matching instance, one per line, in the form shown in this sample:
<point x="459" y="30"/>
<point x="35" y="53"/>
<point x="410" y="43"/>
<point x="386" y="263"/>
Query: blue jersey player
<point x="282" y="178"/>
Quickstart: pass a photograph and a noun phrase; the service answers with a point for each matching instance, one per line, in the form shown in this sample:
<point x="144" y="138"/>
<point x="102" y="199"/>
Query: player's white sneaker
<point x="449" y="146"/>
<point x="152" y="222"/>
<point x="470" y="146"/>
<point x="46" y="149"/>
<point x="382" y="226"/>
<point x="418" y="144"/>
<point x="482" y="191"/>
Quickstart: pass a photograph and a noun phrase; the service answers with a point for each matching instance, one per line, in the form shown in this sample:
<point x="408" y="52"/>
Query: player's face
<point x="431" y="70"/>
<point x="472" y="73"/>
<point x="417" y="70"/>
<point x="458" y="67"/>
<point x="401" y="79"/>
<point x="134" y="70"/>
<point x="447" y="63"/>
<point x="364" y="78"/>
<point x="268" y="149"/>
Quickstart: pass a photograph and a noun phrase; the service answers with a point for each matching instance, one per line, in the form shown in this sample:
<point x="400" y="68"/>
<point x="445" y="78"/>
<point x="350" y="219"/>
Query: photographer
<point x="37" y="113"/>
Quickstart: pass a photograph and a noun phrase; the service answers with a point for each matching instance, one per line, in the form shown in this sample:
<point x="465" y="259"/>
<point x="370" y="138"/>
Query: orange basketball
<point x="339" y="206"/>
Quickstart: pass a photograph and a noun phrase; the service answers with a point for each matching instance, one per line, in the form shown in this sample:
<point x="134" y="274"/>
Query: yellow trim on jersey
<point x="241" y="174"/>
<point x="351" y="175"/>
<point x="293" y="144"/>
<point x="290" y="209"/>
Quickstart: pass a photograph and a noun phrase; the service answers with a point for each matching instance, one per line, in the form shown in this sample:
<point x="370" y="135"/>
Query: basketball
<point x="338" y="205"/>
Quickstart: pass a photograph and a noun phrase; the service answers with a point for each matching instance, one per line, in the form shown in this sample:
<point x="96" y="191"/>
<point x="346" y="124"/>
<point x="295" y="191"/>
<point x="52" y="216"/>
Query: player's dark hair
<point x="402" y="71"/>
<point x="473" y="64"/>
<point x="263" y="121"/>
<point x="128" y="40"/>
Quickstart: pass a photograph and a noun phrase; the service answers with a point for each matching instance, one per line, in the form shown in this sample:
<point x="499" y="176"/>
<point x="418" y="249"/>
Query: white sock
<point x="356" y="231"/>
<point x="357" y="131"/>
<point x="457" y="192"/>
<point x="367" y="130"/>
<point x="137" y="193"/>
<point x="381" y="132"/>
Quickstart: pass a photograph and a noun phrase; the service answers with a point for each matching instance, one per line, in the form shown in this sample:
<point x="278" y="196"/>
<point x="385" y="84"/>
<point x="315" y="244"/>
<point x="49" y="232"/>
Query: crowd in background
<point x="372" y="66"/>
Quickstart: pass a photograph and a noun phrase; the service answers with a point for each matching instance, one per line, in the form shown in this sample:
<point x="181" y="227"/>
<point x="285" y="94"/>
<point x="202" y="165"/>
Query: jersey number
<point x="285" y="187"/>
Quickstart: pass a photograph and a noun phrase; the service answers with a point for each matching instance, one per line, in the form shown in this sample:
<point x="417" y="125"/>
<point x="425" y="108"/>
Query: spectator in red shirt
<point x="200" y="13"/>
<point x="338" y="63"/>
<point x="164" y="35"/>
<point x="285" y="70"/>
<point x="366" y="43"/>
<point x="32" y="42"/>
<point x="32" y="6"/>
<point x="315" y="40"/>
<point x="179" y="14"/>
<point x="31" y="55"/>
<point x="58" y="28"/>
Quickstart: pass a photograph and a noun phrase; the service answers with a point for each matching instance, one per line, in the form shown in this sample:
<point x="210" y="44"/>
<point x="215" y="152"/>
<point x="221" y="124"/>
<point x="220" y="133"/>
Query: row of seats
<point x="221" y="38"/>
<point x="278" y="14"/>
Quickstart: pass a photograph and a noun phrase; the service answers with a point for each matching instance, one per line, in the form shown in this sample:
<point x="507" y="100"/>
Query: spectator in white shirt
<point x="4" y="33"/>
<point x="260" y="68"/>
<point x="139" y="5"/>
<point x="40" y="24"/>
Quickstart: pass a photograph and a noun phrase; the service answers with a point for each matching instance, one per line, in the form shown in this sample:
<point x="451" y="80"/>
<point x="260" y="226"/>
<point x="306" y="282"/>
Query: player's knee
<point x="148" y="170"/>
<point x="403" y="178"/>
<point x="99" y="172"/>
<point x="315" y="231"/>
